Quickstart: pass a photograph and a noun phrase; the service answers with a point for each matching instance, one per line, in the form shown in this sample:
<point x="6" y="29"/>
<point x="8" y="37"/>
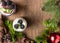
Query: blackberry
<point x="16" y="26"/>
<point x="4" y="3"/>
<point x="22" y="26"/>
<point x="20" y="21"/>
<point x="9" y="3"/>
<point x="7" y="37"/>
<point x="12" y="6"/>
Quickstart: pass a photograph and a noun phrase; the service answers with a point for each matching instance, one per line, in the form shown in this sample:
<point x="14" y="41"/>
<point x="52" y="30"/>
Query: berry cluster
<point x="55" y="38"/>
<point x="10" y="4"/>
<point x="20" y="24"/>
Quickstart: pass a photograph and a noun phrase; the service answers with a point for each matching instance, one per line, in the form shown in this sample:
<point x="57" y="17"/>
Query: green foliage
<point x="12" y="32"/>
<point x="40" y="39"/>
<point x="9" y="25"/>
<point x="19" y="34"/>
<point x="57" y="16"/>
<point x="50" y="6"/>
<point x="50" y="26"/>
<point x="6" y="10"/>
<point x="46" y="33"/>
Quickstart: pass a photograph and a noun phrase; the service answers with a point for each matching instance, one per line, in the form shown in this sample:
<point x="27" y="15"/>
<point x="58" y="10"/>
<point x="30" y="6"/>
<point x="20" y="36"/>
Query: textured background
<point x="32" y="11"/>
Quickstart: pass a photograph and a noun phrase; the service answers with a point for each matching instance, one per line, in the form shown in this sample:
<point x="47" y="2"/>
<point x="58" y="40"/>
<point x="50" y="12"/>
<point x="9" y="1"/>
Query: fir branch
<point x="40" y="39"/>
<point x="50" y="24"/>
<point x="50" y="27"/>
<point x="50" y="6"/>
<point x="11" y="30"/>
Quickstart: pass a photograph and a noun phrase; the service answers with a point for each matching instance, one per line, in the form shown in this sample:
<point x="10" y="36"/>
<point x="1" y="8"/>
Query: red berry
<point x="52" y="38"/>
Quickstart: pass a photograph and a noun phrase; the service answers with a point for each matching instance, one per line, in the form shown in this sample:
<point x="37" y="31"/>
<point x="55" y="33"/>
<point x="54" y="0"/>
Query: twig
<point x="1" y="28"/>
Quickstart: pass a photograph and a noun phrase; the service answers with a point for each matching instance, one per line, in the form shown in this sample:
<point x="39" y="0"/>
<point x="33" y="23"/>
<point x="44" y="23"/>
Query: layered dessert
<point x="19" y="24"/>
<point x="7" y="7"/>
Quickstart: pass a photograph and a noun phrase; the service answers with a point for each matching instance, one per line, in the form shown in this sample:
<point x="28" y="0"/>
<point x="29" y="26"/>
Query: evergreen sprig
<point x="50" y="24"/>
<point x="50" y="27"/>
<point x="51" y="6"/>
<point x="11" y="30"/>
